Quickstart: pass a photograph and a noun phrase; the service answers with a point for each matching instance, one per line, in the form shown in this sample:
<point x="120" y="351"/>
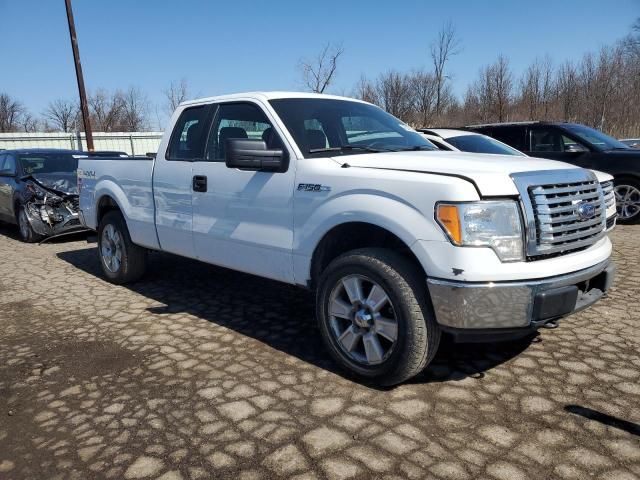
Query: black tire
<point x="628" y="182"/>
<point x="133" y="258"/>
<point x="25" y="230"/>
<point x="418" y="334"/>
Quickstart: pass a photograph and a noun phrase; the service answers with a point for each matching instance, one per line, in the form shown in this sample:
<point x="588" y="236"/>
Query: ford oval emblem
<point x="585" y="211"/>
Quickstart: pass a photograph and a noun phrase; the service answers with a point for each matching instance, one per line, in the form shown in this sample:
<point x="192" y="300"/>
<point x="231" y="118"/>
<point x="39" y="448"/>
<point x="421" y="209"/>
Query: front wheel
<point x="627" y="191"/>
<point x="375" y="316"/>
<point x="122" y="260"/>
<point x="27" y="234"/>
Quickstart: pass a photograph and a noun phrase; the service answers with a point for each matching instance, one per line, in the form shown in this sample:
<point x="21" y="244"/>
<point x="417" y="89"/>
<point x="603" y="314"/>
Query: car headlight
<point x="37" y="191"/>
<point x="494" y="224"/>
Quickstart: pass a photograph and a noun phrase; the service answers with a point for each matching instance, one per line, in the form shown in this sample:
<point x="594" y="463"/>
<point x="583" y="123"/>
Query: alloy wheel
<point x="362" y="320"/>
<point x="111" y="248"/>
<point x="627" y="201"/>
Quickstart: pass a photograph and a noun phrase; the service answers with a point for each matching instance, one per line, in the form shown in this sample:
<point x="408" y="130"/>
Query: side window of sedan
<point x="7" y="165"/>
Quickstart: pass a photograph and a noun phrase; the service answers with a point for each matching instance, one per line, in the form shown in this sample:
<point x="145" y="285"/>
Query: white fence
<point x="133" y="143"/>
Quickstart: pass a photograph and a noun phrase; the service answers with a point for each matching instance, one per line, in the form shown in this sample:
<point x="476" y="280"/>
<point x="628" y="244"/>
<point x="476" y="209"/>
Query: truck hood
<point x="490" y="173"/>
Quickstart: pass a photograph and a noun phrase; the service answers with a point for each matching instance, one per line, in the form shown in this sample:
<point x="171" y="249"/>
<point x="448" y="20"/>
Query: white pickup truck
<point x="399" y="241"/>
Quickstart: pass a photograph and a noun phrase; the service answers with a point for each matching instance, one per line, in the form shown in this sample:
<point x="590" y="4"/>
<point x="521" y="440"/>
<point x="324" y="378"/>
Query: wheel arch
<point x="353" y="235"/>
<point x="106" y="203"/>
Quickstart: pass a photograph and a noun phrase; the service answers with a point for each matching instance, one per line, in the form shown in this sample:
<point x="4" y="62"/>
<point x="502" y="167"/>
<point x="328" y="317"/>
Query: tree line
<point x="602" y="90"/>
<point x="109" y="111"/>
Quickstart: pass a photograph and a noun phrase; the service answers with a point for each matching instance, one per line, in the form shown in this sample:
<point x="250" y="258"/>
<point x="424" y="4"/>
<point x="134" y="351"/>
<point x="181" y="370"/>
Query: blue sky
<point x="224" y="47"/>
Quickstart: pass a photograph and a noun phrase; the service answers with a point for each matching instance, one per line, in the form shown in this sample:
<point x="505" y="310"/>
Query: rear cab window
<point x="189" y="134"/>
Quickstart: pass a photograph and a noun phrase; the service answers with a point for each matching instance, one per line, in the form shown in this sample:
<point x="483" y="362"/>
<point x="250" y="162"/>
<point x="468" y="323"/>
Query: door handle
<point x="199" y="183"/>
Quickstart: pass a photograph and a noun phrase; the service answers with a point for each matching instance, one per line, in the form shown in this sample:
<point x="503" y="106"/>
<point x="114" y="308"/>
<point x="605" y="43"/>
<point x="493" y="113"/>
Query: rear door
<point x="243" y="219"/>
<point x="172" y="180"/>
<point x="514" y="136"/>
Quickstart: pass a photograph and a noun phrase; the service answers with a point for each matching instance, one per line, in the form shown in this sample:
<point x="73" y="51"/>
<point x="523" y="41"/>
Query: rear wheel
<point x="24" y="227"/>
<point x="375" y="316"/>
<point x="122" y="260"/>
<point x="627" y="191"/>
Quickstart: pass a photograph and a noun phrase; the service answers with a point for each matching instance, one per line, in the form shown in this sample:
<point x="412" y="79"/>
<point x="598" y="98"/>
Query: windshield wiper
<point x="347" y="148"/>
<point x="415" y="148"/>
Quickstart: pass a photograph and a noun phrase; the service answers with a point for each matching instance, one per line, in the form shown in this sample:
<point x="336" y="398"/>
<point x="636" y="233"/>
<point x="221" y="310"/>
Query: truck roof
<point x="267" y="96"/>
<point x="524" y="122"/>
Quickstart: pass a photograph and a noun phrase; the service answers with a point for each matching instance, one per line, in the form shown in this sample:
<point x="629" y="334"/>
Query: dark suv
<point x="579" y="145"/>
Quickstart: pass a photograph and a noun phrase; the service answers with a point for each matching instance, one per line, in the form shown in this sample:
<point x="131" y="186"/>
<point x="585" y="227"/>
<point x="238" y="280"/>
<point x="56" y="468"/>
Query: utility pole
<point x="83" y="94"/>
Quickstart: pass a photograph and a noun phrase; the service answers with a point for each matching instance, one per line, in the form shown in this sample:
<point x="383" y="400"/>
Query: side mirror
<point x="575" y="148"/>
<point x="252" y="154"/>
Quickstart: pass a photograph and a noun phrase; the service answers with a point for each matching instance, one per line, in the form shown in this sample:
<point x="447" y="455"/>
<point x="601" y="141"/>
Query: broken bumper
<point x="50" y="220"/>
<point x="515" y="308"/>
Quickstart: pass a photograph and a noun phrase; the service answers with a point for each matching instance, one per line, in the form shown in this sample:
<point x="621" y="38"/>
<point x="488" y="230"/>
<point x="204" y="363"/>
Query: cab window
<point x="188" y="137"/>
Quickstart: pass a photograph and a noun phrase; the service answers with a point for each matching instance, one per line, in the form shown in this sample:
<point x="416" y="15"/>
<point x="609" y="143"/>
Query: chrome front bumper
<point x="517" y="305"/>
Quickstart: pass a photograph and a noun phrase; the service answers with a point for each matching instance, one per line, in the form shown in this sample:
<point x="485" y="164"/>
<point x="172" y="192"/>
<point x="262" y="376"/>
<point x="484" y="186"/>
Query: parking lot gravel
<point x="198" y="372"/>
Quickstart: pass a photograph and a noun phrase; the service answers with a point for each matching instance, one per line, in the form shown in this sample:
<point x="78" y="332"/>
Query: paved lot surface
<point x="198" y="372"/>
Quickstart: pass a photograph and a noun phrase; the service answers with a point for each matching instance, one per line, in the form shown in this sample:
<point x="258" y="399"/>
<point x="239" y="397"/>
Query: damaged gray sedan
<point x="39" y="192"/>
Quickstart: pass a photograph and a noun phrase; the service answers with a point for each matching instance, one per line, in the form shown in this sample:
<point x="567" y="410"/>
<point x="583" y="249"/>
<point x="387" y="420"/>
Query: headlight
<point x="37" y="191"/>
<point x="494" y="224"/>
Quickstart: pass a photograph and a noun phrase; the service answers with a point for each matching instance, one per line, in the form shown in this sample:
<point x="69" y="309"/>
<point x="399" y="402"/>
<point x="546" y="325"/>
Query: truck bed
<point x="130" y="181"/>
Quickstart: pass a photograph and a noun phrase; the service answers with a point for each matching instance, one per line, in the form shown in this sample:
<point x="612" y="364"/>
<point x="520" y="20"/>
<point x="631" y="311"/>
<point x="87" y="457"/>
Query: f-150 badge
<point x="313" y="187"/>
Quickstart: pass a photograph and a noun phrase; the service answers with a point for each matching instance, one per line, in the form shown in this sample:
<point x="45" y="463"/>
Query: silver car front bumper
<point x="517" y="305"/>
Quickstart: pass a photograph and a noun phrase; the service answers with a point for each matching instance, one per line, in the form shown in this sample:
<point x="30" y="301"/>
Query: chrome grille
<point x="555" y="202"/>
<point x="609" y="196"/>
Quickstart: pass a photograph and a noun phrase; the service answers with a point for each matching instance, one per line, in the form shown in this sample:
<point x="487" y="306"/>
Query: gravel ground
<point x="198" y="372"/>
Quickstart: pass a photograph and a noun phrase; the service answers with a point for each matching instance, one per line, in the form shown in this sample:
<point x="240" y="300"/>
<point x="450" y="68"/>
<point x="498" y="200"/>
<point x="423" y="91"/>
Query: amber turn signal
<point x="448" y="217"/>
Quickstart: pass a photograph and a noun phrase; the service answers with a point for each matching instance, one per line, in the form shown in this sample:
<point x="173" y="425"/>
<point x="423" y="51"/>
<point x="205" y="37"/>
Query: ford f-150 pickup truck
<point x="399" y="241"/>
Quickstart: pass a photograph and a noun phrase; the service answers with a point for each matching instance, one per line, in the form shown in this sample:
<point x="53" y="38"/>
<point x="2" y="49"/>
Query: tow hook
<point x="551" y="324"/>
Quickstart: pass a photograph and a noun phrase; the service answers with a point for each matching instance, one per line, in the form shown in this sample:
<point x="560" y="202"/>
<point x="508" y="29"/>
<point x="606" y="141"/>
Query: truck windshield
<point x="330" y="127"/>
<point x="482" y="144"/>
<point x="596" y="138"/>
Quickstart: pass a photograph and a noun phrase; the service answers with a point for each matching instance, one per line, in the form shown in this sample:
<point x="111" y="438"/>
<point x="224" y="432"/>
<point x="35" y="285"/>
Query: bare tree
<point x="491" y="93"/>
<point x="446" y="45"/>
<point x="365" y="90"/>
<point x="11" y="111"/>
<point x="28" y="123"/>
<point x="135" y="110"/>
<point x="631" y="42"/>
<point x="395" y="94"/>
<point x="424" y="86"/>
<point x="536" y="89"/>
<point x="318" y="73"/>
<point x="106" y="110"/>
<point x="177" y="93"/>
<point x="63" y="114"/>
<point x="567" y="93"/>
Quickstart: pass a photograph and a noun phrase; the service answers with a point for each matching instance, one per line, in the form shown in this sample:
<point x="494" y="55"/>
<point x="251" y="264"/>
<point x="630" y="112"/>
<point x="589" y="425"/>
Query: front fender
<point x="392" y="214"/>
<point x="388" y="212"/>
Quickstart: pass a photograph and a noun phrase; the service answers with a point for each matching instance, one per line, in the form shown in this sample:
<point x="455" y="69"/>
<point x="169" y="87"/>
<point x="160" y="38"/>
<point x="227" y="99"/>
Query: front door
<point x="8" y="184"/>
<point x="243" y="219"/>
<point x="553" y="143"/>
